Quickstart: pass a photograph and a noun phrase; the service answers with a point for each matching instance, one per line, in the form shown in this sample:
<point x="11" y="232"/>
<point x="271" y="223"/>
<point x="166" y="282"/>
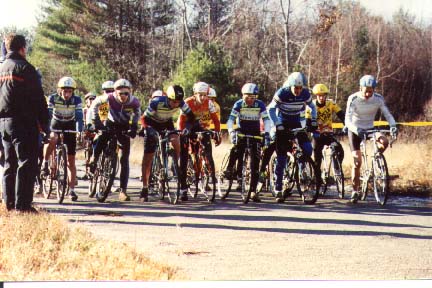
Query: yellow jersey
<point x="324" y="115"/>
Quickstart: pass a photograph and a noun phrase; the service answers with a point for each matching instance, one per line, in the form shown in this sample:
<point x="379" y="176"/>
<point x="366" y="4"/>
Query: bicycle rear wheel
<point x="62" y="175"/>
<point x="246" y="177"/>
<point x="380" y="179"/>
<point x="207" y="172"/>
<point x="288" y="180"/>
<point x="222" y="180"/>
<point x="107" y="171"/>
<point x="47" y="186"/>
<point x="338" y="176"/>
<point x="307" y="181"/>
<point x="171" y="163"/>
<point x="365" y="182"/>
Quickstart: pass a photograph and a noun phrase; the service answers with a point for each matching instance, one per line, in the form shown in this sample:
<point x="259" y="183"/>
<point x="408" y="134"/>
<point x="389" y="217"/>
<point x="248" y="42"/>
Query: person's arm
<point x="79" y="115"/>
<point x="235" y="112"/>
<point x="349" y="113"/>
<point x="95" y="108"/>
<point x="213" y="116"/>
<point x="312" y="107"/>
<point x="265" y="117"/>
<point x="136" y="113"/>
<point x="339" y="112"/>
<point x="43" y="115"/>
<point x="386" y="112"/>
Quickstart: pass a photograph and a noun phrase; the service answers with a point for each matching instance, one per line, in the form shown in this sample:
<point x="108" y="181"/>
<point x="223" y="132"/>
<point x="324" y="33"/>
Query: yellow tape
<point x="376" y="123"/>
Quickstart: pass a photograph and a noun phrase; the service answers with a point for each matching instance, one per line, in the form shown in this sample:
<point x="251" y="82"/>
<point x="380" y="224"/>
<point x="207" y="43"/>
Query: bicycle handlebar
<point x="241" y="135"/>
<point x="64" y="131"/>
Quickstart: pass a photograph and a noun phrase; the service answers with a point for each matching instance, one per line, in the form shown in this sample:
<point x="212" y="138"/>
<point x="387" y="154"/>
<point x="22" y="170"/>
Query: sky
<point x="22" y="13"/>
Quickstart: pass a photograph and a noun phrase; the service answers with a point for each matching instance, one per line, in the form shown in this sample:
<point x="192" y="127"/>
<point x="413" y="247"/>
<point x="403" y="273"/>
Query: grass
<point x="43" y="247"/>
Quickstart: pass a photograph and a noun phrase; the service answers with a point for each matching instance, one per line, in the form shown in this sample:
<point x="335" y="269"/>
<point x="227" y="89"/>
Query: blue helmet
<point x="368" y="81"/>
<point x="296" y="79"/>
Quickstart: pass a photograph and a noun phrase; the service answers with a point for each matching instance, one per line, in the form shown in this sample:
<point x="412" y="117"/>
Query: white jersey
<point x="360" y="113"/>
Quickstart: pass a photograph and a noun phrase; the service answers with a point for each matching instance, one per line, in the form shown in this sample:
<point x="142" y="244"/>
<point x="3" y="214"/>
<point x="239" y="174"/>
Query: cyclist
<point x="287" y="111"/>
<point x="123" y="108"/>
<point x="362" y="108"/>
<point x="200" y="105"/>
<point x="65" y="113"/>
<point x="158" y="117"/>
<point x="88" y="133"/>
<point x="249" y="111"/>
<point x="321" y="137"/>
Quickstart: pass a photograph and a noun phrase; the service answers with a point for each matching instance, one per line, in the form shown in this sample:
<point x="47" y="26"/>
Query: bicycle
<point x="58" y="175"/>
<point x="165" y="160"/>
<point x="247" y="168"/>
<point x="331" y="169"/>
<point x="376" y="175"/>
<point x="106" y="167"/>
<point x="299" y="171"/>
<point x="202" y="168"/>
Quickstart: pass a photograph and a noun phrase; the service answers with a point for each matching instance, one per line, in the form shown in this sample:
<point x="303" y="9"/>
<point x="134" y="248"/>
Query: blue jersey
<point x="160" y="112"/>
<point x="249" y="117"/>
<point x="65" y="111"/>
<point x="286" y="108"/>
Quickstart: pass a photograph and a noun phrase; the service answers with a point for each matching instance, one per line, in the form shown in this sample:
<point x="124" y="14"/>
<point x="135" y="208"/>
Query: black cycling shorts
<point x="354" y="141"/>
<point x="150" y="136"/>
<point x="69" y="138"/>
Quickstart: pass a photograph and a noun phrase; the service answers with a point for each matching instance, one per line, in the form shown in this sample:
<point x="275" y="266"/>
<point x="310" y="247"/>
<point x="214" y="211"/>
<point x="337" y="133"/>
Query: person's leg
<point x="10" y="165"/>
<point x="124" y="166"/>
<point x="150" y="143"/>
<point x="354" y="142"/>
<point x="255" y="159"/>
<point x="281" y="152"/>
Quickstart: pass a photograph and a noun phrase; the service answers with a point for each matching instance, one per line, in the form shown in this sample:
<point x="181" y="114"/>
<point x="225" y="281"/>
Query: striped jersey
<point x="120" y="113"/>
<point x="160" y="112"/>
<point x="248" y="117"/>
<point x="66" y="111"/>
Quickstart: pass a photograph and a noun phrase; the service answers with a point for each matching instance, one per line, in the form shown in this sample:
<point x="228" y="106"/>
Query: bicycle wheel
<point x="171" y="164"/>
<point x="380" y="179"/>
<point x="47" y="186"/>
<point x="62" y="176"/>
<point x="365" y="179"/>
<point x="272" y="176"/>
<point x="338" y="176"/>
<point x="207" y="172"/>
<point x="324" y="175"/>
<point x="288" y="180"/>
<point x="246" y="177"/>
<point x="307" y="181"/>
<point x="155" y="181"/>
<point x="107" y="171"/>
<point x="93" y="181"/>
<point x="222" y="180"/>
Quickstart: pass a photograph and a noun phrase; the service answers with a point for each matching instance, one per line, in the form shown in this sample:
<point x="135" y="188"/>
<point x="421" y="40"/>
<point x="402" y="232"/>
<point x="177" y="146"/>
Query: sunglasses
<point x="109" y="91"/>
<point x="123" y="93"/>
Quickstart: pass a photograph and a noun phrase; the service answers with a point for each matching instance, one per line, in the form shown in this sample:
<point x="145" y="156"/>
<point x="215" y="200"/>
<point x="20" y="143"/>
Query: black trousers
<point x="19" y="140"/>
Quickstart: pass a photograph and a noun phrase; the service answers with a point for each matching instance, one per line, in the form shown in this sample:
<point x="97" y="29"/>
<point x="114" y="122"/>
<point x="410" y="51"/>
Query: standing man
<point x="22" y="107"/>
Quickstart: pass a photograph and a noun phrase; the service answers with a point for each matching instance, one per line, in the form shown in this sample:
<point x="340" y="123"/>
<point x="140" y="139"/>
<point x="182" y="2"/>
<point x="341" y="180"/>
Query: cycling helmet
<point x="66" y="82"/>
<point x="90" y="96"/>
<point x="122" y="83"/>
<point x="107" y="85"/>
<point x="158" y="93"/>
<point x="212" y="93"/>
<point x="201" y="87"/>
<point x="250" y="88"/>
<point x="175" y="92"/>
<point x="296" y="79"/>
<point x="368" y="81"/>
<point x="320" y="89"/>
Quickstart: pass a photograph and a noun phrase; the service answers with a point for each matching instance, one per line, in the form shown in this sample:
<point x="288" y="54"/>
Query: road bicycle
<point x="247" y="168"/>
<point x="374" y="175"/>
<point x="299" y="171"/>
<point x="58" y="176"/>
<point x="165" y="168"/>
<point x="106" y="166"/>
<point x="201" y="169"/>
<point x="331" y="169"/>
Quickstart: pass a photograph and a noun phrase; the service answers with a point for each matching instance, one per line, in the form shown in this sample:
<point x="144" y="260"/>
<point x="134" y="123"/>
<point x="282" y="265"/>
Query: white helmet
<point x="212" y="93"/>
<point x="201" y="87"/>
<point x="120" y="83"/>
<point x="67" y="82"/>
<point x="250" y="88"/>
<point x="296" y="79"/>
<point x="108" y="85"/>
<point x="158" y="93"/>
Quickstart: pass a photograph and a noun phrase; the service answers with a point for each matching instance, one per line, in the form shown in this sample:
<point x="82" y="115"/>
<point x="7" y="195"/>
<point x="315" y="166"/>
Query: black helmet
<point x="175" y="92"/>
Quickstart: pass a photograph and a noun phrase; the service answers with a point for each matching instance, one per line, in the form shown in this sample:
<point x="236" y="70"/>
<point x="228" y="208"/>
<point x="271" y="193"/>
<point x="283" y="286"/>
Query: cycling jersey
<point x="159" y="112"/>
<point x="291" y="108"/>
<point x="361" y="112"/>
<point x="65" y="111"/>
<point x="207" y="117"/>
<point x="325" y="115"/>
<point x="249" y="117"/>
<point x="120" y="113"/>
<point x="199" y="110"/>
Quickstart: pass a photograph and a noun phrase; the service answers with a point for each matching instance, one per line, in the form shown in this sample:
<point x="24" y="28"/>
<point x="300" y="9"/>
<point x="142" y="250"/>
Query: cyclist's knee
<point x="382" y="143"/>
<point x="357" y="159"/>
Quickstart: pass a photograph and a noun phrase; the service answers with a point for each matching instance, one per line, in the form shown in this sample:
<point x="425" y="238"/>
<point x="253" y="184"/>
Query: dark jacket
<point x="21" y="94"/>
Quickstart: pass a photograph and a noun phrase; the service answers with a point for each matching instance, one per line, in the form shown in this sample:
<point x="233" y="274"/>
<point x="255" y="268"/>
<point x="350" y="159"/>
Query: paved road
<point x="228" y="240"/>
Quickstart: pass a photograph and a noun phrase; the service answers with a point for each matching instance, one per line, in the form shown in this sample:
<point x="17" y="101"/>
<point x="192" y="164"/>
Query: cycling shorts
<point x="151" y="138"/>
<point x="69" y="138"/>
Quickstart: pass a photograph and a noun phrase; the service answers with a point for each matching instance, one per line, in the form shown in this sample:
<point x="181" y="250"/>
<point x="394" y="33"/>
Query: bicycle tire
<point x="207" y="172"/>
<point x="380" y="179"/>
<point x="364" y="183"/>
<point x="246" y="177"/>
<point x="92" y="186"/>
<point x="288" y="180"/>
<point x="272" y="167"/>
<point x="307" y="180"/>
<point x="47" y="185"/>
<point x="62" y="175"/>
<point x="173" y="194"/>
<point x="338" y="176"/>
<point x="107" y="172"/>
<point x="324" y="176"/>
<point x="221" y="180"/>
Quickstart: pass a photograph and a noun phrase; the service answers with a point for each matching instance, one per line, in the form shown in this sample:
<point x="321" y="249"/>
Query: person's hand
<point x="393" y="131"/>
<point x="280" y="127"/>
<point x="362" y="133"/>
<point x="345" y="130"/>
<point x="218" y="138"/>
<point x="233" y="137"/>
<point x="266" y="139"/>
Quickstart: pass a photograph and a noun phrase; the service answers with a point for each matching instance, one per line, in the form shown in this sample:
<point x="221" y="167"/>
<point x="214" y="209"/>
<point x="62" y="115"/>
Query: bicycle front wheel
<point x="222" y="180"/>
<point x="288" y="180"/>
<point x="107" y="171"/>
<point x="171" y="164"/>
<point x="207" y="172"/>
<point x="246" y="177"/>
<point x="338" y="176"/>
<point x="307" y="181"/>
<point x="380" y="179"/>
<point x="62" y="176"/>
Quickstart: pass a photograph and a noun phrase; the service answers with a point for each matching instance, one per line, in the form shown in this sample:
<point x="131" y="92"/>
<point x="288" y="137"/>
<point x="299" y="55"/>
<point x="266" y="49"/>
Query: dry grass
<point x="43" y="247"/>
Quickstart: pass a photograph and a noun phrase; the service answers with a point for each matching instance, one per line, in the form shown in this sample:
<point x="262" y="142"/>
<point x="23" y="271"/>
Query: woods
<point x="230" y="42"/>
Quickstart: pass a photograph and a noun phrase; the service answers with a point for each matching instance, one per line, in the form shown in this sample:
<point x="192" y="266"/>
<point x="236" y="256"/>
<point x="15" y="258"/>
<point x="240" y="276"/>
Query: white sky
<point x="22" y="13"/>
